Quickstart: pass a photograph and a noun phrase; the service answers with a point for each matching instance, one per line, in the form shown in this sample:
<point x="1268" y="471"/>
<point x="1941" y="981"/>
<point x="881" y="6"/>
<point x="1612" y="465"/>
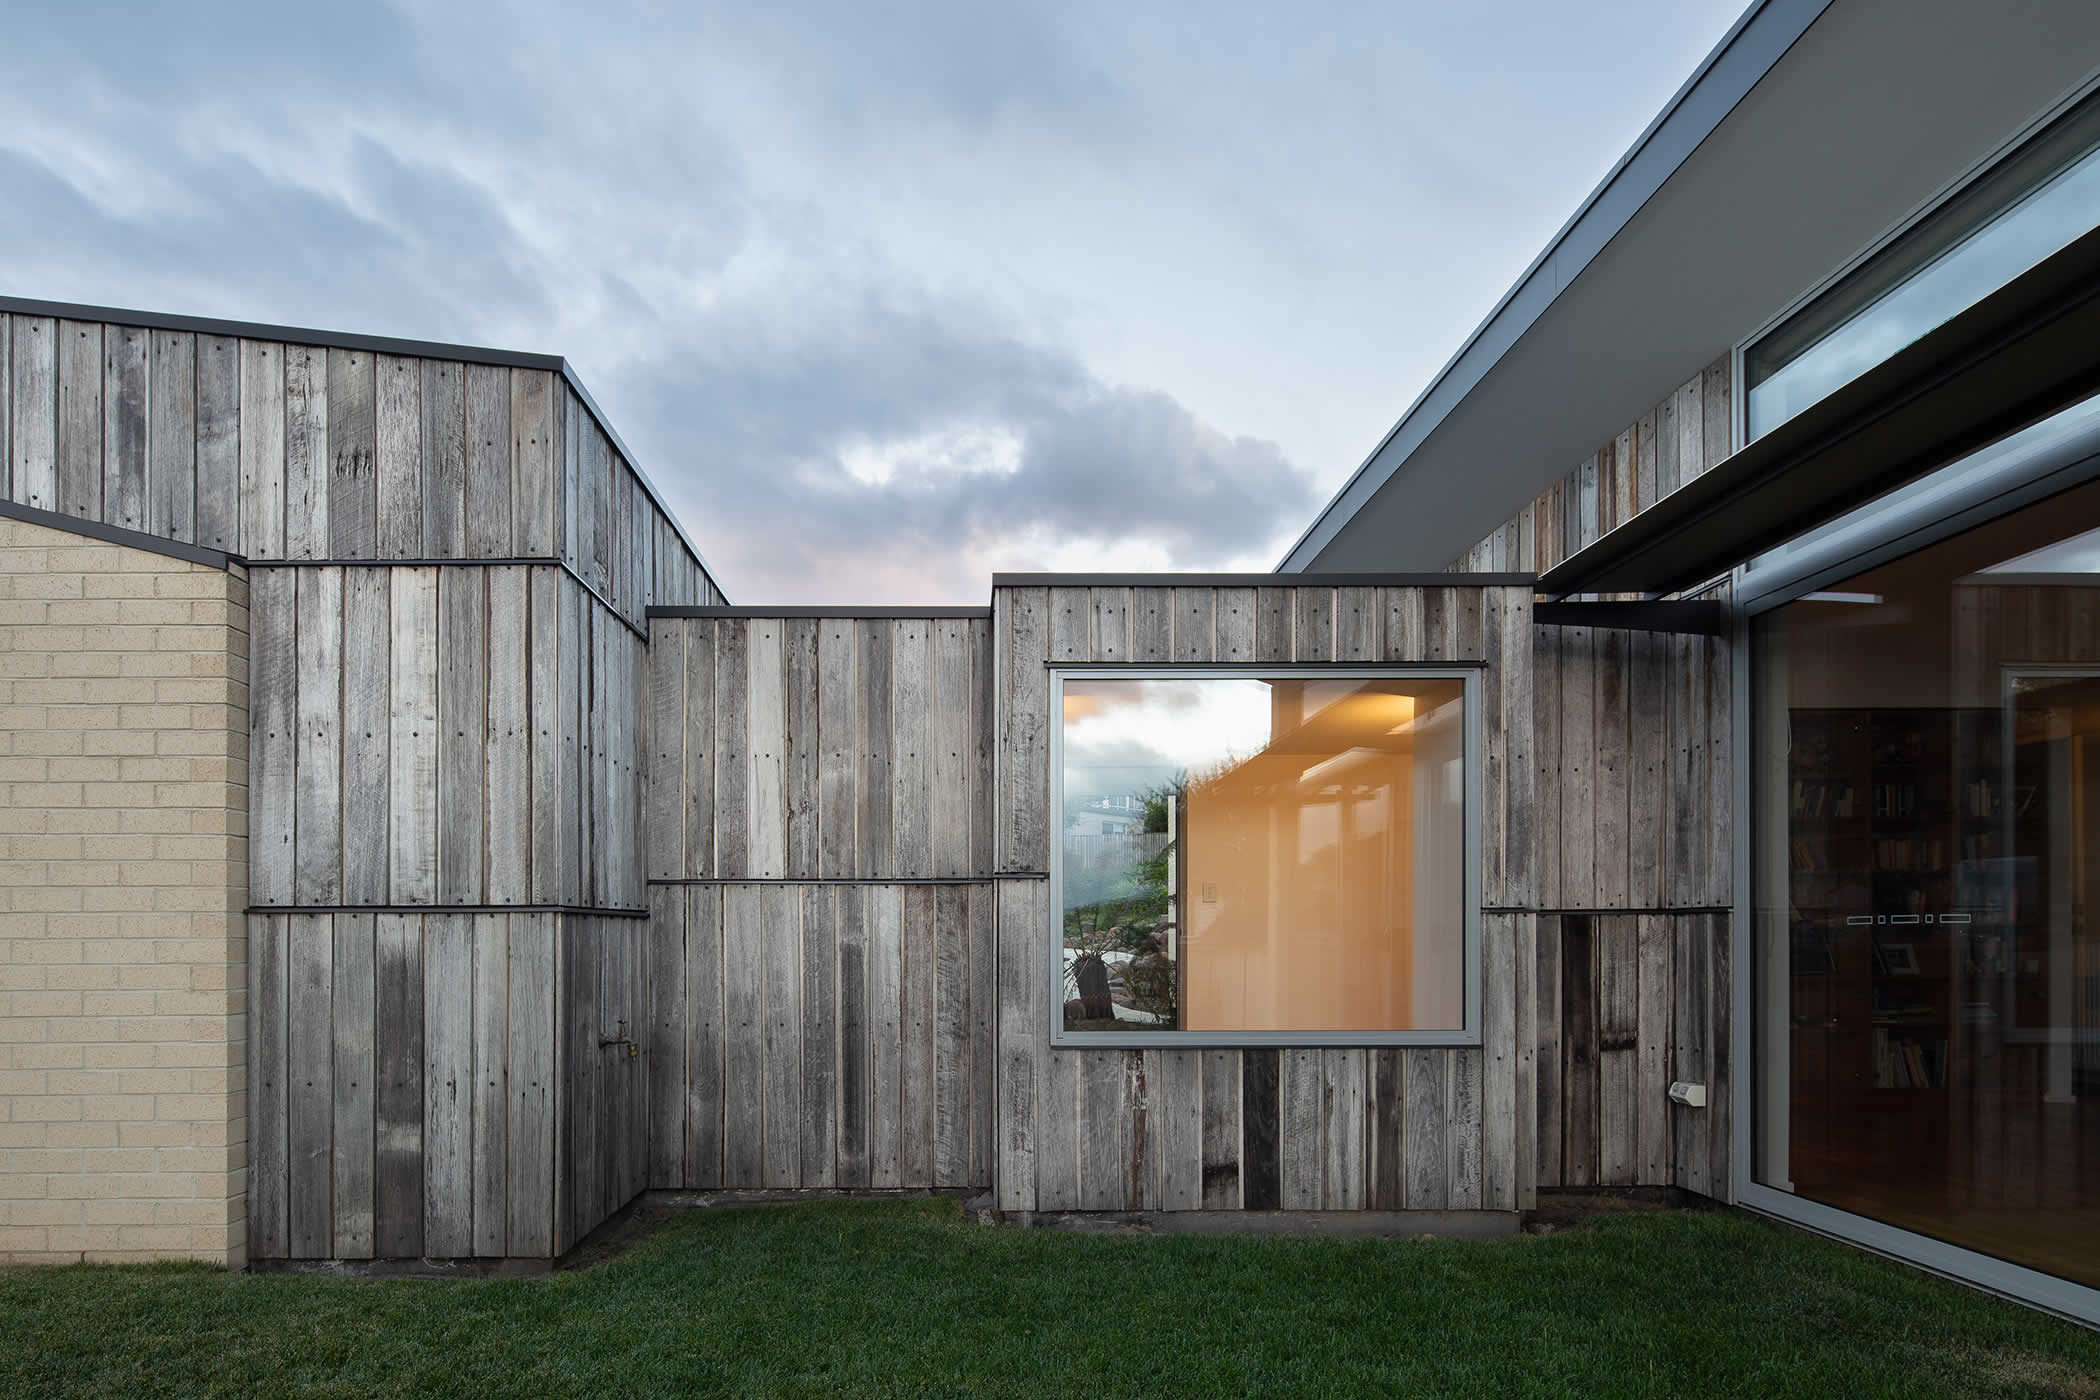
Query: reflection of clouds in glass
<point x="2079" y="554"/>
<point x="1166" y="724"/>
<point x="1988" y="259"/>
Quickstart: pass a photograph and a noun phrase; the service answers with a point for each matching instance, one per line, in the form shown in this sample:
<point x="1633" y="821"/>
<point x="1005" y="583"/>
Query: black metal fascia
<point x="1695" y="617"/>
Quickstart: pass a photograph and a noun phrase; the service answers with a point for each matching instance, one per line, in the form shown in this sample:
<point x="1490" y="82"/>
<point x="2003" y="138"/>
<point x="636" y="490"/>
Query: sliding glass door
<point x="1926" y="891"/>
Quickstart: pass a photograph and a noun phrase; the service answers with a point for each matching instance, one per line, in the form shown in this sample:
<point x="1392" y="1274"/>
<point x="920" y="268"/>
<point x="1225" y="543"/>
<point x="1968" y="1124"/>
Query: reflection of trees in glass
<point x="1125" y="907"/>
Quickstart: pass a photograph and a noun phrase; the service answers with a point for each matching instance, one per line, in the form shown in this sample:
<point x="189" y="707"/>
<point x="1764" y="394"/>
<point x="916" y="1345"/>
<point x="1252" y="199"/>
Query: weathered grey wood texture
<point x="818" y="748"/>
<point x="1316" y="1129"/>
<point x="408" y="1067"/>
<point x="287" y="451"/>
<point x="805" y="1035"/>
<point x="443" y="735"/>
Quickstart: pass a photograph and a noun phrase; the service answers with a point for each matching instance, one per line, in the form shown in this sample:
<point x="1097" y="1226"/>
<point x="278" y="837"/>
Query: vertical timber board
<point x="1138" y="1123"/>
<point x="33" y="411"/>
<point x="1525" y="1029"/>
<point x="1720" y="767"/>
<point x="1647" y="767"/>
<point x="916" y="1025"/>
<point x="530" y="1057"/>
<point x="412" y="748"/>
<point x="535" y="489"/>
<point x="664" y="847"/>
<point x="838" y="741"/>
<point x="80" y="443"/>
<point x="353" y="452"/>
<point x="1498" y="1095"/>
<point x="1617" y="938"/>
<point x="953" y="1129"/>
<point x="1261" y="1129"/>
<point x="399" y="445"/>
<point x="1195" y="624"/>
<point x="318" y="800"/>
<point x="307" y="472"/>
<point x="1653" y="1160"/>
<point x="1515" y="680"/>
<point x="1301" y="1092"/>
<point x="489" y="1150"/>
<point x="704" y="1067"/>
<point x="885" y="916"/>
<point x="367" y="729"/>
<point x="1024" y="833"/>
<point x="875" y="841"/>
<point x="951" y="739"/>
<point x="218" y="443"/>
<point x="984" y="747"/>
<point x="911" y="744"/>
<point x="1547" y="1063"/>
<point x="273" y="623"/>
<point x="1385" y="1129"/>
<point x="1058" y="1076"/>
<point x="1720" y="1085"/>
<point x="801" y="739"/>
<point x="269" y="1106"/>
<point x="262" y="450"/>
<point x="356" y="1030"/>
<point x="490" y="532"/>
<point x="1578" y="807"/>
<point x="1151" y="624"/>
<point x="856" y="1051"/>
<point x="1549" y="645"/>
<point x="1102" y="1178"/>
<point x="462" y="715"/>
<point x="508" y="810"/>
<point x="448" y="1086"/>
<point x="699" y="761"/>
<point x="819" y="1029"/>
<point x="171" y="454"/>
<point x="572" y="668"/>
<point x="398" y="1101"/>
<point x="1610" y="776"/>
<point x="1424" y="1181"/>
<point x="1180" y="1113"/>
<point x="665" y="1046"/>
<point x="1462" y="1127"/>
<point x="983" y="1031"/>
<point x="543" y="681"/>
<point x="1345" y="1178"/>
<point x="1110" y="623"/>
<point x="124" y="425"/>
<point x="1236" y="624"/>
<point x="766" y="712"/>
<point x="1578" y="1002"/>
<point x="1221" y="1077"/>
<point x="743" y="1046"/>
<point x="780" y="913"/>
<point x="732" y="697"/>
<point x="1022" y="1047"/>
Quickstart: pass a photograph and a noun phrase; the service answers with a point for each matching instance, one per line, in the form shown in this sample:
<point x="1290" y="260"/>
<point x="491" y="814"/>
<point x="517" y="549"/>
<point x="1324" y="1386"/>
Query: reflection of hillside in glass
<point x="1247" y="854"/>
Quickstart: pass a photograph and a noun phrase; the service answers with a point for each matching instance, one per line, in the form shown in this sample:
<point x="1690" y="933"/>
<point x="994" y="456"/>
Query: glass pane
<point x="1927" y="908"/>
<point x="2037" y="202"/>
<point x="1250" y="853"/>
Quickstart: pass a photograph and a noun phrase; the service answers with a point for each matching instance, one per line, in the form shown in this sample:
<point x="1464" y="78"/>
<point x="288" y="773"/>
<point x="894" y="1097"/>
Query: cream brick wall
<point x="123" y="873"/>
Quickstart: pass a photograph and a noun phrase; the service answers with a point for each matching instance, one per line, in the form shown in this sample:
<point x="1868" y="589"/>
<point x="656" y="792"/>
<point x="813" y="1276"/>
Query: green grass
<point x="907" y="1298"/>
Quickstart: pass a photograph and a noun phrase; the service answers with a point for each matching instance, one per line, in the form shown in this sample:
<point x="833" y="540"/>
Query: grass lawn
<point x="906" y="1298"/>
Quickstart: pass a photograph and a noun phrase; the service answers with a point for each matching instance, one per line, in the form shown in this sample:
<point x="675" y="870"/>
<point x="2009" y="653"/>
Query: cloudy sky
<point x="884" y="297"/>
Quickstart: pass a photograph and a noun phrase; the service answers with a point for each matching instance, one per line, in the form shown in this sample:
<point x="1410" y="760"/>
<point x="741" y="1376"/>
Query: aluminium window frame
<point x="1962" y="495"/>
<point x="1466" y="1035"/>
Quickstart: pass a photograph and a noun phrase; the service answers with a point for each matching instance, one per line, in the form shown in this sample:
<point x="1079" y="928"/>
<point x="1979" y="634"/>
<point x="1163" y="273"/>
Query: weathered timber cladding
<point x="285" y="451"/>
<point x="808" y="1035"/>
<point x="396" y="760"/>
<point x="1675" y="442"/>
<point x="1335" y="1129"/>
<point x="817" y="748"/>
<point x="408" y="1063"/>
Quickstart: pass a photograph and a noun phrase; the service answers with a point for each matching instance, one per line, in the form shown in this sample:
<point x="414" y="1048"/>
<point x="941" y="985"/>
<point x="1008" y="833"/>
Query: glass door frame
<point x="2031" y="465"/>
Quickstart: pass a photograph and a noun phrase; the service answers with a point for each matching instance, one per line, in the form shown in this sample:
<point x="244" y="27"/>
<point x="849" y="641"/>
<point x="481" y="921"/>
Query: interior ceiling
<point x="1879" y="105"/>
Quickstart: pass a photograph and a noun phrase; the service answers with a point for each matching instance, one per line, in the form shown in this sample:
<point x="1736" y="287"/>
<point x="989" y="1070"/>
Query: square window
<point x="1281" y="856"/>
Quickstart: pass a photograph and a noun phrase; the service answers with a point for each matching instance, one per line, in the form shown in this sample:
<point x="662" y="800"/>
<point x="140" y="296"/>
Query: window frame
<point x="1051" y="969"/>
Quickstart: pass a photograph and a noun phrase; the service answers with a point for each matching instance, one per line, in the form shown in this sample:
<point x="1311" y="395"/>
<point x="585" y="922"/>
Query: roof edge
<point x="1734" y="66"/>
